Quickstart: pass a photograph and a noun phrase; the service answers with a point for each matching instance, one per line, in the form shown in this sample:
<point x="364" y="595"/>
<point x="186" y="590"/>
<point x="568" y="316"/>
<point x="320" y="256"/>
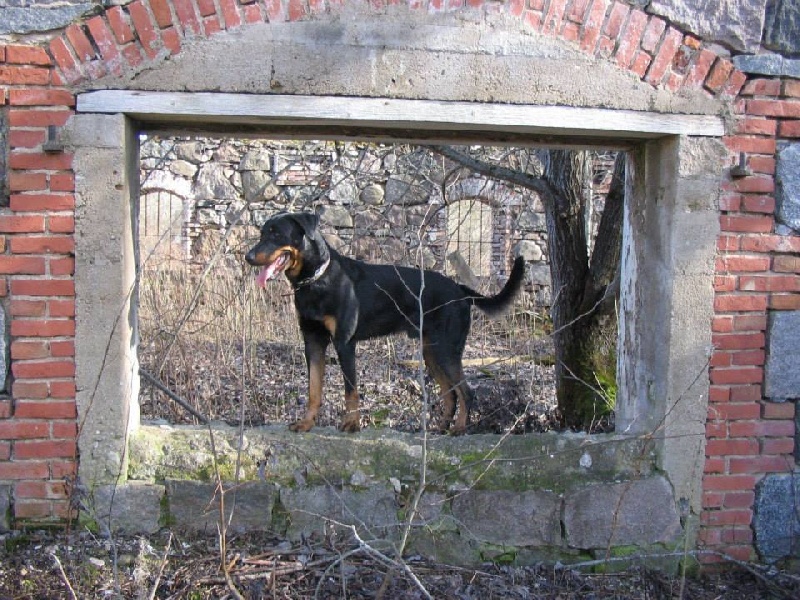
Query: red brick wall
<point x="756" y="269"/>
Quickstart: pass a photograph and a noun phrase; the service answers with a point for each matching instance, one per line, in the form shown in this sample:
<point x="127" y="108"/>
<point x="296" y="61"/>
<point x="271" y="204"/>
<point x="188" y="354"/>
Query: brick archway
<point x="39" y="84"/>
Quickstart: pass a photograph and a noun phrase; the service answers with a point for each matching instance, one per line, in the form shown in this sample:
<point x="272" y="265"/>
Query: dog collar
<point x="317" y="274"/>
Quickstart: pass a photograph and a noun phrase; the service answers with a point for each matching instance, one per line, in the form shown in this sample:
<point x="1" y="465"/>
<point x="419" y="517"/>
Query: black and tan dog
<point x="344" y="301"/>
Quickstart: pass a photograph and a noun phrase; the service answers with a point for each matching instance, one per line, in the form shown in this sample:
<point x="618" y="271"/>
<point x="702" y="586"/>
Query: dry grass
<point x="217" y="340"/>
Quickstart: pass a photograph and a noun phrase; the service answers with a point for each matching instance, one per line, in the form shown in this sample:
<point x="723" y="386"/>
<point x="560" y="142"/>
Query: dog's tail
<point x="495" y="305"/>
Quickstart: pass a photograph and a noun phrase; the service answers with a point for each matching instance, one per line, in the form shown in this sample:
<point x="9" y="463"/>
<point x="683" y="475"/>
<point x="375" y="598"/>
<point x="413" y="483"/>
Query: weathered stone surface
<point x="640" y="512"/>
<point x="528" y="250"/>
<point x="213" y="183"/>
<point x="781" y="24"/>
<point x="256" y="160"/>
<point x="776" y="522"/>
<point x="32" y="19"/>
<point x="408" y="191"/>
<point x="194" y="506"/>
<point x="372" y="194"/>
<point x="131" y="508"/>
<point x="767" y="64"/>
<point x="4" y="349"/>
<point x="373" y="511"/>
<point x="782" y="372"/>
<point x="5" y="507"/>
<point x="337" y="216"/>
<point x="787" y="180"/>
<point x="505" y="517"/>
<point x="258" y="186"/>
<point x="734" y="23"/>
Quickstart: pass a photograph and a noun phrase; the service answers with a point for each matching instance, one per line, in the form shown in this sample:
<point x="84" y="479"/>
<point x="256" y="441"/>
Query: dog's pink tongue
<point x="263" y="276"/>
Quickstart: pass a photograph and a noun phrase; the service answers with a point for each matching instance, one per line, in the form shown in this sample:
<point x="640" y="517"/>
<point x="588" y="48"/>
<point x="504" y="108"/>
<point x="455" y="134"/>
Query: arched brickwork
<point x="757" y="269"/>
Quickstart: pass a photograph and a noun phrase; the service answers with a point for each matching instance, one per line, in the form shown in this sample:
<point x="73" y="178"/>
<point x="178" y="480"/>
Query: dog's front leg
<point x="316" y="342"/>
<point x="351" y="421"/>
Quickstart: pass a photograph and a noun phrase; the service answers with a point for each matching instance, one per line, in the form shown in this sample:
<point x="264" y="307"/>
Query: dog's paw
<point x="457" y="430"/>
<point x="351" y="425"/>
<point x="301" y="425"/>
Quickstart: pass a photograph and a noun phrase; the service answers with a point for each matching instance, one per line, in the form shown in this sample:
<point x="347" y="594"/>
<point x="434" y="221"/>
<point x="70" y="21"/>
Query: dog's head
<point x="289" y="242"/>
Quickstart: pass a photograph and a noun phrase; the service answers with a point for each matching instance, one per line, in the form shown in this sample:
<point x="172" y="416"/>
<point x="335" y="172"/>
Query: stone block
<point x="781" y="24"/>
<point x="775" y="520"/>
<point x="5" y="508"/>
<point x="31" y="19"/>
<point x="787" y="179"/>
<point x="194" y="506"/>
<point x="510" y="518"/>
<point x="639" y="512"/>
<point x="319" y="509"/>
<point x="131" y="508"/>
<point x="782" y="371"/>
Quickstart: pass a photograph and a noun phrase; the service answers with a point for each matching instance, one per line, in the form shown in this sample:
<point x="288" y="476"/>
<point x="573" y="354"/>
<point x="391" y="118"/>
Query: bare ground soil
<point x="47" y="564"/>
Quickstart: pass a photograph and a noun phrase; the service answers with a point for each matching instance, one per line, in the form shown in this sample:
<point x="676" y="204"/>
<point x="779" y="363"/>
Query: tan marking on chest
<point x="329" y="321"/>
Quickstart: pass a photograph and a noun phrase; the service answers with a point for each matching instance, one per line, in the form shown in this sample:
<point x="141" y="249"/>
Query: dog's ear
<point x="310" y="224"/>
<point x="308" y="221"/>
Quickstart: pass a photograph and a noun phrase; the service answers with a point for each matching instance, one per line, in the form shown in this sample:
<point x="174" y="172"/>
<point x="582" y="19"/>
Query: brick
<point x="22" y="265"/>
<point x="119" y="22"/>
<point x="718" y="76"/>
<point x="725" y="483"/>
<point x="762" y="87"/>
<point x="727" y="517"/>
<point x="27" y="308"/>
<point x="211" y="25"/>
<point x="28" y="469"/>
<point x="593" y="24"/>
<point x="40" y="489"/>
<point x="786" y="109"/>
<point x="44" y="449"/>
<point x="756" y="126"/>
<point x="23" y="138"/>
<point x="45" y="409"/>
<point x="759" y="184"/>
<point x="778" y="446"/>
<point x="39" y="160"/>
<point x="663" y="58"/>
<point x="714" y="465"/>
<point x="65" y="59"/>
<point x="19" y="430"/>
<point x="789" y="129"/>
<point x="29" y="389"/>
<point x="80" y="43"/>
<point x="41" y="202"/>
<point x="778" y="410"/>
<point x="27" y="55"/>
<point x="629" y="42"/>
<point x="734" y="411"/>
<point x="763" y="164"/>
<point x="24" y="75"/>
<point x="552" y="19"/>
<point x="750" y="144"/>
<point x="63" y="348"/>
<point x="728" y="243"/>
<point x="749" y="357"/>
<point x="743" y="264"/>
<point x="171" y="40"/>
<point x="43" y="287"/>
<point x="27" y="350"/>
<point x="21" y="224"/>
<point x="104" y="40"/>
<point x="763" y="429"/>
<point x="62" y="389"/>
<point x="43" y="327"/>
<point x="770" y="243"/>
<point x="59" y="469"/>
<point x="770" y="283"/>
<point x="58" y="224"/>
<point x="739" y="499"/>
<point x="641" y="61"/>
<point x="745" y="447"/>
<point x="187" y="16"/>
<point x="746" y="393"/>
<point x="698" y="71"/>
<point x="65" y="429"/>
<point x="652" y="34"/>
<point x="734" y="85"/>
<point x="32" y="509"/>
<point x="230" y="13"/>
<point x="786" y="264"/>
<point x="145" y="29"/>
<point x="738" y="375"/>
<point x="161" y="13"/>
<point x="743" y="303"/>
<point x="761" y="464"/>
<point x="24" y="182"/>
<point x="62" y="182"/>
<point x="252" y="12"/>
<point x="40" y="97"/>
<point x="713" y="499"/>
<point x="24" y="117"/>
<point x="791" y="88"/>
<point x="43" y="369"/>
<point x="206" y="8"/>
<point x="36" y="244"/>
<point x="742" y="323"/>
<point x="746" y="223"/>
<point x="784" y="302"/>
<point x="738" y="341"/>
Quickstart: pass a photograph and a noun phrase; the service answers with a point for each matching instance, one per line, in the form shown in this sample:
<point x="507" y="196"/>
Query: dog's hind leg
<point x="351" y="420"/>
<point x="447" y="391"/>
<point x="316" y="343"/>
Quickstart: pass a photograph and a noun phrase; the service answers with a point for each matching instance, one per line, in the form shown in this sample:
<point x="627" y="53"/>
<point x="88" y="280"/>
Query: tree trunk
<point x="584" y="293"/>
